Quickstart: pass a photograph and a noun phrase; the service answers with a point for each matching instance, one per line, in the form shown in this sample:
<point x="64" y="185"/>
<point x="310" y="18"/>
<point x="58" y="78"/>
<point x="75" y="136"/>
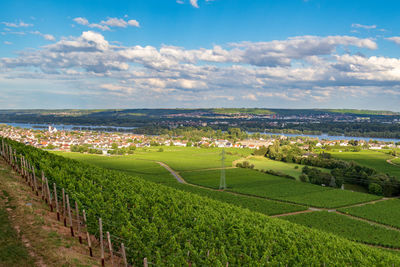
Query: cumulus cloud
<point x="89" y="41"/>
<point x="48" y="37"/>
<point x="81" y="21"/>
<point x="7" y="43"/>
<point x="367" y="27"/>
<point x="17" y="25"/>
<point x="395" y="39"/>
<point x="194" y="3"/>
<point x="296" y="69"/>
<point x="105" y="25"/>
<point x="250" y="97"/>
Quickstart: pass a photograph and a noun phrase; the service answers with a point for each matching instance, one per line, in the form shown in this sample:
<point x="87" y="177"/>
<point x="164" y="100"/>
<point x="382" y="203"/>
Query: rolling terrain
<point x="157" y="222"/>
<point x="255" y="190"/>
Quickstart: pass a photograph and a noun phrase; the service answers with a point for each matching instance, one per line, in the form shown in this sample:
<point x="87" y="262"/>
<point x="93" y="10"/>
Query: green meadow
<point x="263" y="163"/>
<point x="349" y="228"/>
<point x="370" y="158"/>
<point x="384" y="212"/>
<point x="251" y="182"/>
<point x="152" y="171"/>
<point x="257" y="191"/>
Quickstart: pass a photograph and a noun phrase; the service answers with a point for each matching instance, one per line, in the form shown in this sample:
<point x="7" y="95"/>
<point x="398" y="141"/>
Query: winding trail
<point x="368" y="221"/>
<point x="292" y="213"/>
<point x="390" y="161"/>
<point x="174" y="173"/>
<point x="180" y="179"/>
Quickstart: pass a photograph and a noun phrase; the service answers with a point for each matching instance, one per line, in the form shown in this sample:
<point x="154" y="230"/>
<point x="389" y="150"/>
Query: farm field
<point x="385" y="212"/>
<point x="145" y="169"/>
<point x="157" y="221"/>
<point x="252" y="182"/>
<point x="349" y="228"/>
<point x="263" y="163"/>
<point x="372" y="159"/>
<point x="152" y="171"/>
<point x="191" y="158"/>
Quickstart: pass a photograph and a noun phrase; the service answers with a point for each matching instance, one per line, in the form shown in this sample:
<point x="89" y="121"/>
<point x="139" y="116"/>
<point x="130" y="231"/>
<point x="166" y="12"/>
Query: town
<point x="98" y="142"/>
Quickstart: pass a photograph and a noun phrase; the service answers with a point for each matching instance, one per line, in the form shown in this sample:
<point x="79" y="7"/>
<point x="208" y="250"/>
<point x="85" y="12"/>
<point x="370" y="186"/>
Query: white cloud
<point x="395" y="39"/>
<point x="99" y="26"/>
<point x="117" y="88"/>
<point x="367" y="27"/>
<point x="105" y="25"/>
<point x="133" y="22"/>
<point x="17" y="25"/>
<point x="115" y="22"/>
<point x="7" y="43"/>
<point x="48" y="37"/>
<point x="303" y="68"/>
<point x="250" y="97"/>
<point x="180" y="2"/>
<point x="194" y="3"/>
<point x="81" y="21"/>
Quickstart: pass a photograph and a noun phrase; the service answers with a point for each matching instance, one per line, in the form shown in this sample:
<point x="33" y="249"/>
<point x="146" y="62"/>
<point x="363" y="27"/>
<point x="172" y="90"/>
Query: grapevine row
<point x="171" y="227"/>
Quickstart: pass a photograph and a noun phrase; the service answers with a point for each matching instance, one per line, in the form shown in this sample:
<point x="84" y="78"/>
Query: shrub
<point x="375" y="189"/>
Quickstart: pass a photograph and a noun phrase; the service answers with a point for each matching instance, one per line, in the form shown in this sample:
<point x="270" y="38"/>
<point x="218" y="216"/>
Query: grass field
<point x="264" y="185"/>
<point x="385" y="212"/>
<point x="263" y="163"/>
<point x="396" y="161"/>
<point x="152" y="171"/>
<point x="372" y="159"/>
<point x="146" y="169"/>
<point x="352" y="229"/>
<point x="191" y="158"/>
<point x="193" y="162"/>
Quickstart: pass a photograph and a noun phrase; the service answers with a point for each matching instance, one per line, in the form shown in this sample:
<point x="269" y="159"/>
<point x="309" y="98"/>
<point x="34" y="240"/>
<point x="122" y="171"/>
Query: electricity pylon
<point x="222" y="182"/>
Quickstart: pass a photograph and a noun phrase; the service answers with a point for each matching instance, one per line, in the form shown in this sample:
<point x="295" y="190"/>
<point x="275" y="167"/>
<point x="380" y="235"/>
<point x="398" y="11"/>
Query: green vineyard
<point x="177" y="228"/>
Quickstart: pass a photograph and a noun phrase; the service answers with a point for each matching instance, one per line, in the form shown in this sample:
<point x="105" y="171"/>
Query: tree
<point x="375" y="189"/>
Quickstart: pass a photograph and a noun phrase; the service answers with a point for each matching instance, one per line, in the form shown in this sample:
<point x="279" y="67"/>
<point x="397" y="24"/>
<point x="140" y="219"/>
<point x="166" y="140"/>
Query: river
<point x="67" y="127"/>
<point x="70" y="127"/>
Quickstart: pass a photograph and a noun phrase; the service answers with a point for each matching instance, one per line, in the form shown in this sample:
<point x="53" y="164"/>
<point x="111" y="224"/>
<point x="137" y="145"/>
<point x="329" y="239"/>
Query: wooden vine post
<point x="64" y="211"/>
<point x="87" y="234"/>
<point x="35" y="182"/>
<point x="43" y="190"/>
<point x="101" y="242"/>
<point x="56" y="201"/>
<point x="124" y="255"/>
<point x="110" y="248"/>
<point x="49" y="195"/>
<point x="145" y="264"/>
<point x="33" y="178"/>
<point x="69" y="215"/>
<point x="78" y="222"/>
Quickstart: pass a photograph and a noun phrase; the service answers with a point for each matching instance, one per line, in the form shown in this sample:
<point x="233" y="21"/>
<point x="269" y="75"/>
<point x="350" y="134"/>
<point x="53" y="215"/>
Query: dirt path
<point x="180" y="179"/>
<point x="390" y="161"/>
<point x="47" y="240"/>
<point x="368" y="221"/>
<point x="293" y="213"/>
<point x="174" y="173"/>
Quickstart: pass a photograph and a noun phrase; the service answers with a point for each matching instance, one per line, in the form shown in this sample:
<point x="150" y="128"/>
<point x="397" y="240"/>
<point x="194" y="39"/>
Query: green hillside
<point x="171" y="227"/>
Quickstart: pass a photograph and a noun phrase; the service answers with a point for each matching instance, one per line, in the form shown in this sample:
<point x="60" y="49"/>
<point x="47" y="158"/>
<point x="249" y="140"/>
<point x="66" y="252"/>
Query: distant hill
<point x="363" y="112"/>
<point x="254" y="111"/>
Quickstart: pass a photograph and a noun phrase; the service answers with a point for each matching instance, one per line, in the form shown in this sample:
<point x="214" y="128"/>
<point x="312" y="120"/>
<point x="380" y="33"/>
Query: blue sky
<point x="187" y="53"/>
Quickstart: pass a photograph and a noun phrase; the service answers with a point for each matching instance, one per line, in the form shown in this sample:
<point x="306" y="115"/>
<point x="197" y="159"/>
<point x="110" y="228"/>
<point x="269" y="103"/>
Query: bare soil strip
<point x="48" y="242"/>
